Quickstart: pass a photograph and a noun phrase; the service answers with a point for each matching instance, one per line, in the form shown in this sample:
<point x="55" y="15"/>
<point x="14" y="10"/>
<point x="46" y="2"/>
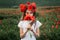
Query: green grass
<point x="10" y="31"/>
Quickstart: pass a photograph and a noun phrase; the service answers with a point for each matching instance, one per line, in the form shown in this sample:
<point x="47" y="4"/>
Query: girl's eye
<point x="27" y="12"/>
<point x="30" y="12"/>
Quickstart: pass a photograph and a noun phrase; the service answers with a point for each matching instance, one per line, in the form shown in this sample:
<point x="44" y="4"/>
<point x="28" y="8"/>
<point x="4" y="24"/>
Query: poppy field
<point x="50" y="29"/>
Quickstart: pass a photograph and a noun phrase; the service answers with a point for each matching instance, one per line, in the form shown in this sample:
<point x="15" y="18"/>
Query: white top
<point x="29" y="35"/>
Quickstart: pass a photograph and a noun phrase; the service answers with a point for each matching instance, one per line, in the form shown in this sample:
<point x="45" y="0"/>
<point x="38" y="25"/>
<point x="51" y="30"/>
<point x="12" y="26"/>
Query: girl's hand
<point x="29" y="27"/>
<point x="32" y="30"/>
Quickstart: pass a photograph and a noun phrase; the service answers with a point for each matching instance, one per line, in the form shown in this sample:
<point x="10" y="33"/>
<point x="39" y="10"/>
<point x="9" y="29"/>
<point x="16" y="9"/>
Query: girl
<point x="29" y="26"/>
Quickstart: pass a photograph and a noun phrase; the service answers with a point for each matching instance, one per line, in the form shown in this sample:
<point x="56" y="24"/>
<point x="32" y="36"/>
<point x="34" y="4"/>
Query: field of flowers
<point x="50" y="30"/>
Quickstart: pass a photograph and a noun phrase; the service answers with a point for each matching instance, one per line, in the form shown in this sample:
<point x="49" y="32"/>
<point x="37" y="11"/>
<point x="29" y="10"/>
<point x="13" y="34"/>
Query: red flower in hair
<point x="30" y="7"/>
<point x="28" y="3"/>
<point x="22" y="7"/>
<point x="34" y="5"/>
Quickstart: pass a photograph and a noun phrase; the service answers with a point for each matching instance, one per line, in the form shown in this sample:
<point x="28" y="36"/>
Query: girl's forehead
<point x="28" y="11"/>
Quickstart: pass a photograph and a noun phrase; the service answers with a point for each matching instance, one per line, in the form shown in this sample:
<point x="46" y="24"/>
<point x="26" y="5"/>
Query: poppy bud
<point x="52" y="26"/>
<point x="56" y="26"/>
<point x="58" y="22"/>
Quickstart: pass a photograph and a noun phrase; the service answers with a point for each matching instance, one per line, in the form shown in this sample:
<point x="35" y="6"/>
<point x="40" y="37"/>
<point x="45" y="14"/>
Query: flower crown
<point x="29" y="6"/>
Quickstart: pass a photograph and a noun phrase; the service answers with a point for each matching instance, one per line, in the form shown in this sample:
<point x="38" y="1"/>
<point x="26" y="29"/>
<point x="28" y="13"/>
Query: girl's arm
<point x="37" y="33"/>
<point x="22" y="34"/>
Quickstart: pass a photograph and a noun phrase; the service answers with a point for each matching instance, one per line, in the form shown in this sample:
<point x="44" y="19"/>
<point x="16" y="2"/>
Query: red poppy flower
<point x="27" y="17"/>
<point x="32" y="18"/>
<point x="56" y="26"/>
<point x="58" y="22"/>
<point x="30" y="7"/>
<point x="52" y="26"/>
<point x="22" y="7"/>
<point x="34" y="5"/>
<point x="28" y="3"/>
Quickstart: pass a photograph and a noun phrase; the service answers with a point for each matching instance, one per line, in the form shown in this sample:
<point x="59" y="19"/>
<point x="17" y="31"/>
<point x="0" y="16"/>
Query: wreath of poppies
<point x="29" y="6"/>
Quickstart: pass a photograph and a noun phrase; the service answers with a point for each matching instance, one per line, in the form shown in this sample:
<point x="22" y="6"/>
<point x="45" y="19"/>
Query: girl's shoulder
<point x="23" y="23"/>
<point x="38" y="23"/>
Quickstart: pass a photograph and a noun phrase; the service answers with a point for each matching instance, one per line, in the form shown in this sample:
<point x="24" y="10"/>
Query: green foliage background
<point x="10" y="31"/>
<point x="11" y="3"/>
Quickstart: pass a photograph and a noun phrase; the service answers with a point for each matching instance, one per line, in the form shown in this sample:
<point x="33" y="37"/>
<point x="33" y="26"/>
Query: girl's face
<point x="30" y="13"/>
